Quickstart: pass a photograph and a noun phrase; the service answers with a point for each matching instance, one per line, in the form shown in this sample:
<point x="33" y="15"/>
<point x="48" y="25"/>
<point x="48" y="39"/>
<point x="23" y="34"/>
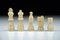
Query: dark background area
<point x="38" y="7"/>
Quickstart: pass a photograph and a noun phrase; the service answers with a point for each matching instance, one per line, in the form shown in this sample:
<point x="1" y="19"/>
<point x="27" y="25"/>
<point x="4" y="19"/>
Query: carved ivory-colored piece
<point x="50" y="24"/>
<point x="40" y="23"/>
<point x="20" y="21"/>
<point x="10" y="24"/>
<point x="31" y="19"/>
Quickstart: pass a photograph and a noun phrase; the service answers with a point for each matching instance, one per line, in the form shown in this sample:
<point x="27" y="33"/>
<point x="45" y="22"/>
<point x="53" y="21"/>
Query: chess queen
<point x="20" y="21"/>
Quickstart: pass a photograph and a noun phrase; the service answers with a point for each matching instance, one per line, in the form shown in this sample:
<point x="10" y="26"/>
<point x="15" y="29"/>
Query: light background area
<point x="26" y="35"/>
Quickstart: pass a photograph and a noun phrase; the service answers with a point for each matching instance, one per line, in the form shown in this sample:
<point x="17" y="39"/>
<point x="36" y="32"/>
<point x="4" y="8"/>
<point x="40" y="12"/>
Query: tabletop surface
<point x="30" y="35"/>
<point x="26" y="35"/>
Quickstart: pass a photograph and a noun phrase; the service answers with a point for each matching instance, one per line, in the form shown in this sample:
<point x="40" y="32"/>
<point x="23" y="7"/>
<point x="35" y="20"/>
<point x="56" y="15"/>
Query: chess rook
<point x="10" y="24"/>
<point x="40" y="23"/>
<point x="50" y="24"/>
<point x="31" y="27"/>
<point x="20" y="21"/>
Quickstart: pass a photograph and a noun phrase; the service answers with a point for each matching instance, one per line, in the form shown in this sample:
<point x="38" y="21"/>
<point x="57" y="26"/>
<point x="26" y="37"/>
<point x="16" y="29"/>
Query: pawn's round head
<point x="31" y="13"/>
<point x="10" y="10"/>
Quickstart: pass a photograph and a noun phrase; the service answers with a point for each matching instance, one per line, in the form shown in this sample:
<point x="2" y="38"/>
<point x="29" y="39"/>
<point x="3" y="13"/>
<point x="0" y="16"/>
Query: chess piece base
<point x="50" y="28"/>
<point x="40" y="29"/>
<point x="20" y="28"/>
<point x="11" y="28"/>
<point x="30" y="28"/>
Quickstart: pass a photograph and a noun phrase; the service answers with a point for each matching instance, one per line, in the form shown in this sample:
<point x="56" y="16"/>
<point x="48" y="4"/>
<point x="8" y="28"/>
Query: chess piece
<point x="40" y="23"/>
<point x="50" y="24"/>
<point x="30" y="27"/>
<point x="11" y="24"/>
<point x="20" y="21"/>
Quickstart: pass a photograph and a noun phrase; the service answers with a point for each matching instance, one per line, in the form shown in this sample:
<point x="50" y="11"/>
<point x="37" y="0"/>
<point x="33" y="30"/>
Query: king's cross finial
<point x="10" y="10"/>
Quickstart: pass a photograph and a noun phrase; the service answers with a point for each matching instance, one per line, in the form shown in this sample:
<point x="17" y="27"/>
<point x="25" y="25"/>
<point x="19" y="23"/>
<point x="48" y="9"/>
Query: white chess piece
<point x="11" y="24"/>
<point x="40" y="23"/>
<point x="50" y="24"/>
<point x="31" y="27"/>
<point x="20" y="21"/>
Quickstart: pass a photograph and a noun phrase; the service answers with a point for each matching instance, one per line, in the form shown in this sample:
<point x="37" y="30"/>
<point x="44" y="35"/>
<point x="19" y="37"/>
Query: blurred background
<point x="45" y="8"/>
<point x="37" y="6"/>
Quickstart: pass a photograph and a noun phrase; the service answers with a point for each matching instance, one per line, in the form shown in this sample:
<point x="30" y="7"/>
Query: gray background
<point x="26" y="35"/>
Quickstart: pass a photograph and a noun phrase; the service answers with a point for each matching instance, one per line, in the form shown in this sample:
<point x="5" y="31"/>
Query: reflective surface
<point x="26" y="35"/>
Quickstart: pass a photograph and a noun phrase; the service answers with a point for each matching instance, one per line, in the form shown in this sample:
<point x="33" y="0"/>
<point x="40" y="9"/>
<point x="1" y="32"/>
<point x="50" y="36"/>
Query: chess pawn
<point x="40" y="23"/>
<point x="31" y="27"/>
<point x="20" y="21"/>
<point x="50" y="24"/>
<point x="11" y="24"/>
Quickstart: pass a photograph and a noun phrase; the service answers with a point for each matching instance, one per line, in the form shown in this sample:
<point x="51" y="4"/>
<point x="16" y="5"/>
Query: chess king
<point x="10" y="24"/>
<point x="31" y="27"/>
<point x="40" y="23"/>
<point x="20" y="21"/>
<point x="50" y="24"/>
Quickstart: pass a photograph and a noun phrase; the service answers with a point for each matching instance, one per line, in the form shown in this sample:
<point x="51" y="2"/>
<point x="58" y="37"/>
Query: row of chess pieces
<point x="31" y="19"/>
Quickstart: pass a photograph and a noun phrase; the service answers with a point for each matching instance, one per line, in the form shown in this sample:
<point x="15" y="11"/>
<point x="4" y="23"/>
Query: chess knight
<point x="50" y="24"/>
<point x="31" y="27"/>
<point x="20" y="21"/>
<point x="11" y="24"/>
<point x="40" y="23"/>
